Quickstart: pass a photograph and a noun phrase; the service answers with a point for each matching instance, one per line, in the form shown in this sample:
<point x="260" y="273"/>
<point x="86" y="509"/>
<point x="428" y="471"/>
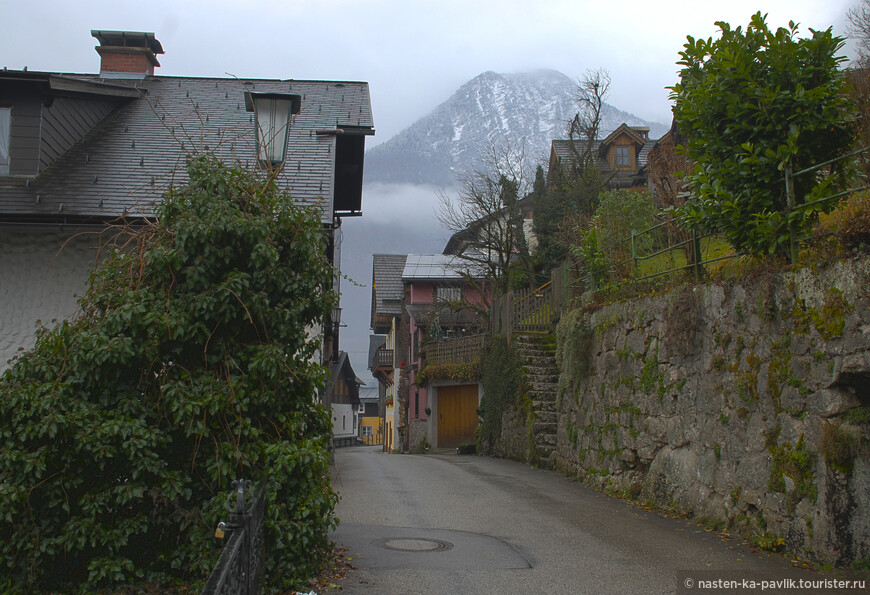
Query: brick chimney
<point x="127" y="54"/>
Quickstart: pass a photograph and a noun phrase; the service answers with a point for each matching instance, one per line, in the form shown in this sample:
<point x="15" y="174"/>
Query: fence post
<point x="696" y="255"/>
<point x="509" y="315"/>
<point x="792" y="232"/>
<point x="239" y="568"/>
<point x="633" y="255"/>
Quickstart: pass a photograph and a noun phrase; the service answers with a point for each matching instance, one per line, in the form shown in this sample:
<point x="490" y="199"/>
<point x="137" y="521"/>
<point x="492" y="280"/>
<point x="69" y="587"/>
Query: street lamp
<point x="336" y="317"/>
<point x="273" y="112"/>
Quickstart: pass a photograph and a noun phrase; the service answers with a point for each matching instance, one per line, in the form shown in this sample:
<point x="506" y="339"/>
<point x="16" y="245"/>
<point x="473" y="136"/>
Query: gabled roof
<point x="343" y="367"/>
<point x="626" y="130"/>
<point x="458" y="243"/>
<point x="127" y="161"/>
<point x="564" y="150"/>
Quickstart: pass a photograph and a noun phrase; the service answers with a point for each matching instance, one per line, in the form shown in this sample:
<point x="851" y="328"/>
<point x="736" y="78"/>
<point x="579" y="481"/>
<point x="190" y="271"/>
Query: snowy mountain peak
<point x="527" y="109"/>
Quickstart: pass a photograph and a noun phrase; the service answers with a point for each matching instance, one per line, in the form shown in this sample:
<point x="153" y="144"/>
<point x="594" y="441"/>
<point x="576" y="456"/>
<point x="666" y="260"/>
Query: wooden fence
<point x="533" y="310"/>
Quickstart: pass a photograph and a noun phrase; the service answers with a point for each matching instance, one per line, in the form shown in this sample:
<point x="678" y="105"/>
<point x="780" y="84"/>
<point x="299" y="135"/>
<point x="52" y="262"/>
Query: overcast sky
<point x="414" y="54"/>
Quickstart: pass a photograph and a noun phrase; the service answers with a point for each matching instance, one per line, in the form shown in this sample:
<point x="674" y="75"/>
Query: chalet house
<point x="81" y="152"/>
<point x="621" y="157"/>
<point x="342" y="395"/>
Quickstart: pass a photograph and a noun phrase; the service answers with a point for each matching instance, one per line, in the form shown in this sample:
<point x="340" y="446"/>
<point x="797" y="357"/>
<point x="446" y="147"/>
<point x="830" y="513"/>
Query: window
<point x="623" y="157"/>
<point x="366" y="431"/>
<point x="448" y="294"/>
<point x="362" y="408"/>
<point x="5" y="134"/>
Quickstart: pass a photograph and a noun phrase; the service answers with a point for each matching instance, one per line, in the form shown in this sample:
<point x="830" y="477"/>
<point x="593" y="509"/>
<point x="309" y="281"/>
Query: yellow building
<point x="371" y="422"/>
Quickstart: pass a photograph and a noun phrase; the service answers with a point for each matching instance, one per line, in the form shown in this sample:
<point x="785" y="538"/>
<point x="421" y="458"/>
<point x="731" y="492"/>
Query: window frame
<point x="618" y="157"/>
<point x="448" y="293"/>
<point x="5" y="167"/>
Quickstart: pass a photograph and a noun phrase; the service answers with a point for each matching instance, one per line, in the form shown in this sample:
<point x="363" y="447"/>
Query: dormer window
<point x="5" y="135"/>
<point x="623" y="156"/>
<point x="273" y="113"/>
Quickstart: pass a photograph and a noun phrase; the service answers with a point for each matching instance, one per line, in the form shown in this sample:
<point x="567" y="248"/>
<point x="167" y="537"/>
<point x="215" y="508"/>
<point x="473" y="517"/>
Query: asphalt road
<point x="442" y="523"/>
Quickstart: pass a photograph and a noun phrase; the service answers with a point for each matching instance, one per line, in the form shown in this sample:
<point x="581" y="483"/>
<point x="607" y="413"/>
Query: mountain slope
<point x="525" y="109"/>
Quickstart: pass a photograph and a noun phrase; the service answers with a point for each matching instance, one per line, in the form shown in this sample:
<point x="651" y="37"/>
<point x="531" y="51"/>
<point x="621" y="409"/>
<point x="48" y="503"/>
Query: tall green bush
<point x="619" y="213"/>
<point x="191" y="364"/>
<point x="607" y="241"/>
<point x="753" y="103"/>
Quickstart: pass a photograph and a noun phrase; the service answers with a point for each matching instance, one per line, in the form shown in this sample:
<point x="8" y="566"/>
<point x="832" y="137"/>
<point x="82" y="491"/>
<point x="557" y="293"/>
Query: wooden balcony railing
<point x="383" y="358"/>
<point x="459" y="350"/>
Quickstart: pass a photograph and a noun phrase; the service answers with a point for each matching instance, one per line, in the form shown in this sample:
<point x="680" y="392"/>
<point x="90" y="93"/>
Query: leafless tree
<point x="859" y="77"/>
<point x="859" y="29"/>
<point x="592" y="90"/>
<point x="486" y="218"/>
<point x="583" y="177"/>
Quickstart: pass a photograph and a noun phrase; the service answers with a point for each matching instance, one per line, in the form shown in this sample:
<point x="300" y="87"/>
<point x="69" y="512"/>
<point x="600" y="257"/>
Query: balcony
<point x="383" y="359"/>
<point x="461" y="350"/>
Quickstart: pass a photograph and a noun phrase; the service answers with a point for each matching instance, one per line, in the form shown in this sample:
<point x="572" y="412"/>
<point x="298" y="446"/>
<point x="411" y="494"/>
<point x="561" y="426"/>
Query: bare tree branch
<point x="583" y="177"/>
<point x="859" y="29"/>
<point x="485" y="217"/>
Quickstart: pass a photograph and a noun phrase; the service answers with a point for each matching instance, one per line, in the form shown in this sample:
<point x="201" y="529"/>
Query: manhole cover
<point x="414" y="544"/>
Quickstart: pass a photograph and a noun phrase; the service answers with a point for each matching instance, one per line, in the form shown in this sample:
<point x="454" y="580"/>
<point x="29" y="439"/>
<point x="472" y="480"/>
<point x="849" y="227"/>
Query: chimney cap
<point x="128" y="39"/>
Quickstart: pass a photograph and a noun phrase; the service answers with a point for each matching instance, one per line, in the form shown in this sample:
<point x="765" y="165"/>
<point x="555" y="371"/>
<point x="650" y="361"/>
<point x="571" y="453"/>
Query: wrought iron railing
<point x="239" y="570"/>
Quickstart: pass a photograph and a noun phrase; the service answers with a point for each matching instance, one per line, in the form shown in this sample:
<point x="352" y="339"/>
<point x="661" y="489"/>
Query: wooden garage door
<point x="457" y="415"/>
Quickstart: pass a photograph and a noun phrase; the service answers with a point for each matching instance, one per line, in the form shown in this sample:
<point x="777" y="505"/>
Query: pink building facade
<point x="435" y="287"/>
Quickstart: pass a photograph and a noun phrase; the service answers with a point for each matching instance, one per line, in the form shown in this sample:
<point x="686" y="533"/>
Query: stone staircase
<point x="538" y="354"/>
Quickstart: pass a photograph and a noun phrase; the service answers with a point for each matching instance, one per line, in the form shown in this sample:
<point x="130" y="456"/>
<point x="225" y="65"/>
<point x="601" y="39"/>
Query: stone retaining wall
<point x="747" y="404"/>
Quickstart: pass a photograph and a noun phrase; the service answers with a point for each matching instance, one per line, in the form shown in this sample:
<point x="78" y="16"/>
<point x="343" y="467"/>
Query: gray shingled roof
<point x="434" y="267"/>
<point x="643" y="155"/>
<point x="387" y="288"/>
<point x="127" y="162"/>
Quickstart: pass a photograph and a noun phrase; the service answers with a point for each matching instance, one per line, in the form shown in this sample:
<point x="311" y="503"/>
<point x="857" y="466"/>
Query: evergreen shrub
<point x="191" y="364"/>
